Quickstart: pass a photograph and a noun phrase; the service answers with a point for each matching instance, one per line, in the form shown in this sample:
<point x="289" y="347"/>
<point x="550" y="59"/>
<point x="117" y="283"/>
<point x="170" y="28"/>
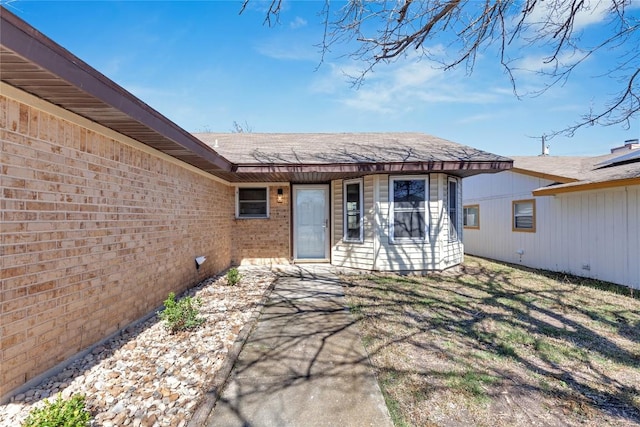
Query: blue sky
<point x="204" y="66"/>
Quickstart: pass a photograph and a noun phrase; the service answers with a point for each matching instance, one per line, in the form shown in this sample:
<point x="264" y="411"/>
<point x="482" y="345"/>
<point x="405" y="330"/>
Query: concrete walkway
<point x="304" y="363"/>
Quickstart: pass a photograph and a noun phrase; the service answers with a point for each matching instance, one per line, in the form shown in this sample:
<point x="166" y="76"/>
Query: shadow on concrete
<point x="304" y="363"/>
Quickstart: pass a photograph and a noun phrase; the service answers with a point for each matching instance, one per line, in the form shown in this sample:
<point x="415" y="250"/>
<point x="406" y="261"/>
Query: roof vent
<point x="629" y="144"/>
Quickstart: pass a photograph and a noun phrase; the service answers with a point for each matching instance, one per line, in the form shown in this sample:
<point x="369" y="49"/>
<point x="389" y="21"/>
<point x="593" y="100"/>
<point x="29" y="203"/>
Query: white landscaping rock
<point x="147" y="376"/>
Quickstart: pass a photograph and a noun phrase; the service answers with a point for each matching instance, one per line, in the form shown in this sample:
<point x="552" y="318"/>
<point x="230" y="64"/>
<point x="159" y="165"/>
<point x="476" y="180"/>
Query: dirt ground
<point x="494" y="345"/>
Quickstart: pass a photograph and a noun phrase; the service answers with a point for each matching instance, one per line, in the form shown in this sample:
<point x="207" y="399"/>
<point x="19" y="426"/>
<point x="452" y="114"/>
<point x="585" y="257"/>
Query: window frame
<point x="452" y="237"/>
<point x="345" y="230"/>
<point x="252" y="187"/>
<point x="464" y="216"/>
<point x="533" y="216"/>
<point x="399" y="240"/>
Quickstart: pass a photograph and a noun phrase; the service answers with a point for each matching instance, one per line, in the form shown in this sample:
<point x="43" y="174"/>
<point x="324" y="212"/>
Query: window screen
<point x="252" y="202"/>
<point x="471" y="216"/>
<point x="409" y="208"/>
<point x="353" y="211"/>
<point x="524" y="215"/>
<point x="453" y="209"/>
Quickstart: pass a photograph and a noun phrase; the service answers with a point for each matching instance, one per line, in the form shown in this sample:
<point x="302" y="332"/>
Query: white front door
<point x="311" y="222"/>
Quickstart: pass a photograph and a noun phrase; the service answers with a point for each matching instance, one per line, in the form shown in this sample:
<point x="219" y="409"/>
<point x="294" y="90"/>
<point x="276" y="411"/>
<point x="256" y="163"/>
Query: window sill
<point x="407" y="241"/>
<point x="352" y="241"/>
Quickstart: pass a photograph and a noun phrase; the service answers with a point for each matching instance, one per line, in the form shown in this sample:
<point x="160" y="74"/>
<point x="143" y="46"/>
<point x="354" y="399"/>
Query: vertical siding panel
<point x="592" y="207"/>
<point x="633" y="213"/>
<point x="600" y="230"/>
<point x="618" y="210"/>
<point x="573" y="234"/>
<point x="554" y="230"/>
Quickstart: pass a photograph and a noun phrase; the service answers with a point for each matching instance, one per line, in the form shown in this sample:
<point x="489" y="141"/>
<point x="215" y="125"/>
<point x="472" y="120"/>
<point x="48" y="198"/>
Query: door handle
<point x="326" y="223"/>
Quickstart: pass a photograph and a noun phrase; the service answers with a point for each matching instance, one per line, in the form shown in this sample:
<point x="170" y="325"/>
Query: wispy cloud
<point x="485" y="117"/>
<point x="592" y="12"/>
<point x="404" y="86"/>
<point x="112" y="66"/>
<point x="541" y="63"/>
<point x="287" y="49"/>
<point x="298" y="22"/>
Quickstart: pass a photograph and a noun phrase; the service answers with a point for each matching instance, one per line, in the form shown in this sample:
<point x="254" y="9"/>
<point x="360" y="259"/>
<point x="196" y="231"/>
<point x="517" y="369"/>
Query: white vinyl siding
<point x="435" y="252"/>
<point x="589" y="233"/>
<point x="349" y="253"/>
<point x="377" y="251"/>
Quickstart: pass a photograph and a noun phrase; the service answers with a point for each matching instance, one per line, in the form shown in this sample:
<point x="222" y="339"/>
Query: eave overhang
<point x="584" y="186"/>
<point x="543" y="175"/>
<point x="432" y="166"/>
<point x="37" y="65"/>
<point x="326" y="172"/>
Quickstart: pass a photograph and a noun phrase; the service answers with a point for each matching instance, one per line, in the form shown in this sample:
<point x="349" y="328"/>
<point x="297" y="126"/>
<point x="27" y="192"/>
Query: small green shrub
<point x="233" y="276"/>
<point x="61" y="413"/>
<point x="181" y="315"/>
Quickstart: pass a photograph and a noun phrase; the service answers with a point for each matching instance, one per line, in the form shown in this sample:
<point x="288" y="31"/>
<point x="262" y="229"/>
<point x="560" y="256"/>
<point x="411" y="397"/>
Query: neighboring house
<point x="106" y="203"/>
<point x="579" y="215"/>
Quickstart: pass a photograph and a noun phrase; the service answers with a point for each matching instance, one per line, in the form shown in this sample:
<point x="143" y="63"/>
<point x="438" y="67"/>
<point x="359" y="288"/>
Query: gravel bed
<point x="146" y="376"/>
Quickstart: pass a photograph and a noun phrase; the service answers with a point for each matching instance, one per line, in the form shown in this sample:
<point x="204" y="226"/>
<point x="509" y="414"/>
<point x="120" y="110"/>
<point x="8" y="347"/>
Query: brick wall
<point x="264" y="240"/>
<point x="95" y="230"/>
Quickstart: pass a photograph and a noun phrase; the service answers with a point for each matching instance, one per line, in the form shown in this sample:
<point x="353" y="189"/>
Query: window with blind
<point x="353" y="211"/>
<point x="524" y="215"/>
<point x="471" y="216"/>
<point x="408" y="209"/>
<point x="453" y="209"/>
<point x="252" y="202"/>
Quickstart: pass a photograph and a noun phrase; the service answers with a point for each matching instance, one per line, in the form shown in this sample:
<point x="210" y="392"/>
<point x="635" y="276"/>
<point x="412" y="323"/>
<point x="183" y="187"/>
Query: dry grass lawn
<point x="495" y="345"/>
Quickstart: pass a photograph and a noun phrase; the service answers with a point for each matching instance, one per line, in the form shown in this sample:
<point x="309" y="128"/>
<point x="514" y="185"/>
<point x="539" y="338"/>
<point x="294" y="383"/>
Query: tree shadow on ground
<point x="481" y="332"/>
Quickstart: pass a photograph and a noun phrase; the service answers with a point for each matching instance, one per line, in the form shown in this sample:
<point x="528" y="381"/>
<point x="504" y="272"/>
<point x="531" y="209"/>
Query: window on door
<point x="353" y="211"/>
<point x="252" y="202"/>
<point x="408" y="209"/>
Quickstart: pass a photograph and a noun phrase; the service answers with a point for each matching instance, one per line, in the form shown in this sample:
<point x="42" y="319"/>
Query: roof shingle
<point x="574" y="173"/>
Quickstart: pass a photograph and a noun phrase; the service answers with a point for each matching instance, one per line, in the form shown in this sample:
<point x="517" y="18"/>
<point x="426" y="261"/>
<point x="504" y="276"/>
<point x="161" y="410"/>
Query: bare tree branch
<point x="385" y="30"/>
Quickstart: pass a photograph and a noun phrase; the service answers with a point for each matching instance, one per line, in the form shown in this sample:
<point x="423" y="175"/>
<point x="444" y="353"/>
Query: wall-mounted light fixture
<point x="199" y="261"/>
<point x="280" y="195"/>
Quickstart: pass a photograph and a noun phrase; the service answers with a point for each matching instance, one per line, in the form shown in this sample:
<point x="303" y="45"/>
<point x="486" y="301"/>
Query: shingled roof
<point x="285" y="156"/>
<point x="579" y="173"/>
